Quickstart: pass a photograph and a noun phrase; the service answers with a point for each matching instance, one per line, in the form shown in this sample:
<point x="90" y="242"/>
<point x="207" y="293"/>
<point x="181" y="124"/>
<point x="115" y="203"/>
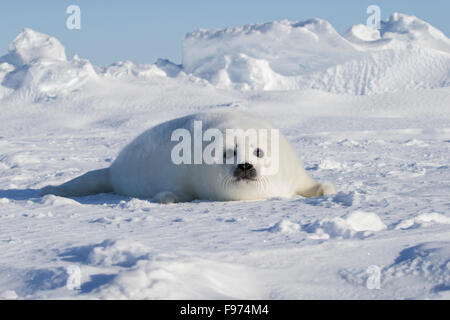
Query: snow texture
<point x="289" y="55"/>
<point x="367" y="110"/>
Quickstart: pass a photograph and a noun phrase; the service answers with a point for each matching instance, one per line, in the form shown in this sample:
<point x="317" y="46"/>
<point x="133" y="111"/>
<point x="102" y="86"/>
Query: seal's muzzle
<point x="245" y="171"/>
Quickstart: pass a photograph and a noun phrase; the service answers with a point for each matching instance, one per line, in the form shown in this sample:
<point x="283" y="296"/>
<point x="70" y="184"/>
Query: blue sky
<point x="142" y="31"/>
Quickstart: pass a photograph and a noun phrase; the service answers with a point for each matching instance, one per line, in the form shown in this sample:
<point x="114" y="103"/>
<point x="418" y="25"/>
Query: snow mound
<point x="190" y="278"/>
<point x="407" y="53"/>
<point x="46" y="78"/>
<point x="30" y="45"/>
<point x="284" y="226"/>
<point x="43" y="279"/>
<point x="358" y="224"/>
<point x="117" y="253"/>
<point x="129" y="71"/>
<point x="423" y="220"/>
<point x="330" y="164"/>
<point x="36" y="66"/>
<point x="171" y="69"/>
<point x="409" y="28"/>
<point x="52" y="200"/>
<point x="361" y="32"/>
<point x="364" y="221"/>
<point x="425" y="266"/>
<point x="136" y="204"/>
<point x="418" y="271"/>
<point x="8" y="295"/>
<point x="262" y="56"/>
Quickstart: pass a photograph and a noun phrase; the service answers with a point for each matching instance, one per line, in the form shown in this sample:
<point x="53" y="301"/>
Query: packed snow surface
<point x="405" y="53"/>
<point x="368" y="110"/>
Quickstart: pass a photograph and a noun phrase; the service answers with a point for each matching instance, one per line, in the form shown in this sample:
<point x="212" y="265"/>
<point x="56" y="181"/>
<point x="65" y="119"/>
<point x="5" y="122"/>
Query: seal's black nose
<point x="245" y="166"/>
<point x="245" y="171"/>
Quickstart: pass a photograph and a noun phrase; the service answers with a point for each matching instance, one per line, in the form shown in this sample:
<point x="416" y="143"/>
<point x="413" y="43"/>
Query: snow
<point x="289" y="55"/>
<point x="361" y="32"/>
<point x="8" y="295"/>
<point x="364" y="221"/>
<point x="423" y="220"/>
<point x="183" y="278"/>
<point x="357" y="224"/>
<point x="367" y="110"/>
<point x="409" y="28"/>
<point x="284" y="226"/>
<point x="30" y="45"/>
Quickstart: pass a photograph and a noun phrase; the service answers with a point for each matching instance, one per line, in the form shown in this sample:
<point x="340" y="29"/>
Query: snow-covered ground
<point x="368" y="110"/>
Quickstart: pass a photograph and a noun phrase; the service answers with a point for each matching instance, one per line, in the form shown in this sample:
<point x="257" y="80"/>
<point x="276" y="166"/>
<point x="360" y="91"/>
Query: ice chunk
<point x="30" y="45"/>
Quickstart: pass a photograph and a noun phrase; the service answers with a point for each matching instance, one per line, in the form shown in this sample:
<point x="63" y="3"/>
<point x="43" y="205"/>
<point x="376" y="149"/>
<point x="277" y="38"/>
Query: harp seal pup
<point x="145" y="168"/>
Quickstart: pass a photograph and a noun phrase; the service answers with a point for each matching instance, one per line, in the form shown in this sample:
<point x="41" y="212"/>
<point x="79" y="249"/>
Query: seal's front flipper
<point x="166" y="197"/>
<point x="318" y="190"/>
<point x="93" y="182"/>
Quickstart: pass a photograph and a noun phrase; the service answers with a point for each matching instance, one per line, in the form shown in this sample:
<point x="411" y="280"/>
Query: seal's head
<point x="248" y="168"/>
<point x="244" y="168"/>
<point x="256" y="161"/>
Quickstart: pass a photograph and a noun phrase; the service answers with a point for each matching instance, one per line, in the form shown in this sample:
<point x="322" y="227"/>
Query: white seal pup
<point x="150" y="166"/>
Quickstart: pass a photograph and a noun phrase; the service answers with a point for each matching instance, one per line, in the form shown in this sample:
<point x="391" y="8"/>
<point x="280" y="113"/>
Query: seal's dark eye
<point x="229" y="153"/>
<point x="259" y="153"/>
